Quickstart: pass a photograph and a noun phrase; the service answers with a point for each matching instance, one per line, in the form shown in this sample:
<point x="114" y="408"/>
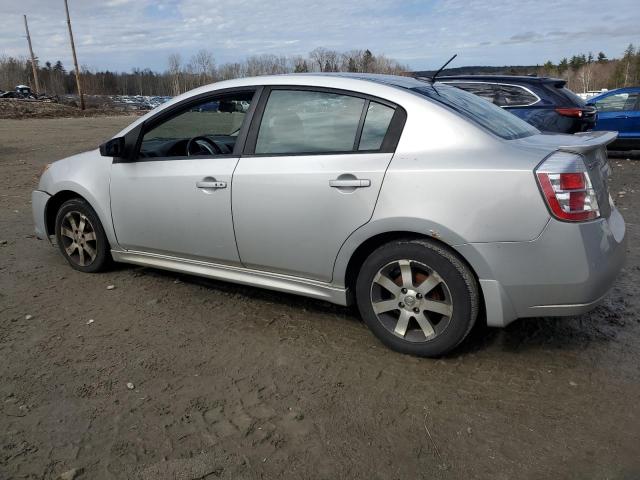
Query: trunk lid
<point x="593" y="148"/>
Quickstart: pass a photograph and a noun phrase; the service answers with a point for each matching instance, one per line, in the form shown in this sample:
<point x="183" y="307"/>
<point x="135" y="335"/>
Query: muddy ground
<point x="235" y="382"/>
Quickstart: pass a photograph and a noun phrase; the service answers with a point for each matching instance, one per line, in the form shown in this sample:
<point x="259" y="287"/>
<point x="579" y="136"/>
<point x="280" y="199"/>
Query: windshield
<point x="479" y="110"/>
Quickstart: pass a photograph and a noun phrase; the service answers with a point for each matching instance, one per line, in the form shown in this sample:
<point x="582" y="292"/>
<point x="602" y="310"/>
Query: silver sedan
<point x="425" y="205"/>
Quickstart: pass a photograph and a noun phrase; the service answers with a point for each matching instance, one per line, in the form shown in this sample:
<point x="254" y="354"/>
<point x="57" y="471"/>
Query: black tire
<point x="74" y="209"/>
<point x="461" y="293"/>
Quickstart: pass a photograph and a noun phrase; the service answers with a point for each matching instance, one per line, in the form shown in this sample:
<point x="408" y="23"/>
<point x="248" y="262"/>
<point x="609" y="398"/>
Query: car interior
<point x="207" y="128"/>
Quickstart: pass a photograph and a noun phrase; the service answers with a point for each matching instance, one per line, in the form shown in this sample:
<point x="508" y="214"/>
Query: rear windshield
<point x="575" y="99"/>
<point x="479" y="110"/>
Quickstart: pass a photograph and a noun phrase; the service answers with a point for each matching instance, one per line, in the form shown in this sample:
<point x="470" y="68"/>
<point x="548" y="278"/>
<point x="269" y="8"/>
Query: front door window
<point x="208" y="128"/>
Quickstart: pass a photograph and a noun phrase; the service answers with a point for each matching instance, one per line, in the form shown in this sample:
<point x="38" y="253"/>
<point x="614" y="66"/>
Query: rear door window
<point x="301" y="121"/>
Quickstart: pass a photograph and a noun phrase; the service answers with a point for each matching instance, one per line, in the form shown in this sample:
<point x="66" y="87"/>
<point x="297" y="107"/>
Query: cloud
<point x="121" y="34"/>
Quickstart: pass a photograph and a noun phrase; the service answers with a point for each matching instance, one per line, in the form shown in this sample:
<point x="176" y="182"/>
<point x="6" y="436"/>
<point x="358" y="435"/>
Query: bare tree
<point x="204" y="65"/>
<point x="174" y="72"/>
<point x="585" y="72"/>
<point x="325" y="60"/>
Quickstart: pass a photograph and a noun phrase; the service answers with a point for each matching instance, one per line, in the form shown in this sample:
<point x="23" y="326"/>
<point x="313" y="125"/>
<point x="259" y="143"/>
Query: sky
<point x="122" y="34"/>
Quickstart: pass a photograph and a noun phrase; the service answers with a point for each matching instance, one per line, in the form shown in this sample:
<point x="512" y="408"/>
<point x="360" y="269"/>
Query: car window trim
<point x="389" y="144"/>
<point x="363" y="116"/>
<point x="538" y="99"/>
<point x="171" y="112"/>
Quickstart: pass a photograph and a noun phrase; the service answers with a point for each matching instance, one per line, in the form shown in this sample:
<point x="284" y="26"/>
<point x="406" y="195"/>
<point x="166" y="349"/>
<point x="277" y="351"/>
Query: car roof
<point x="502" y="78"/>
<point x="394" y="80"/>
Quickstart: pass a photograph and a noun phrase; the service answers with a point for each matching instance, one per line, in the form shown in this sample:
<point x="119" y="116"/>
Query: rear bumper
<point x="567" y="270"/>
<point x="39" y="201"/>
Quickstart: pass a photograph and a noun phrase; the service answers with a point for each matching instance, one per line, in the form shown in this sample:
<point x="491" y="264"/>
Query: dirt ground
<point x="240" y="383"/>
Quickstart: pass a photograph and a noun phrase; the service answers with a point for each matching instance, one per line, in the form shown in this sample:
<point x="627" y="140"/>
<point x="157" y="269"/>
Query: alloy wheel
<point x="78" y="238"/>
<point x="411" y="300"/>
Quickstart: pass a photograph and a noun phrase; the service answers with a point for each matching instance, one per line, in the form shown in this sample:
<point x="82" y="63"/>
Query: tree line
<point x="583" y="72"/>
<point x="587" y="72"/>
<point x="184" y="74"/>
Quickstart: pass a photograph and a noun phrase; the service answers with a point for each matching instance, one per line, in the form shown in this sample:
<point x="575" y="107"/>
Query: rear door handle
<point x="354" y="183"/>
<point x="211" y="184"/>
<point x="622" y="116"/>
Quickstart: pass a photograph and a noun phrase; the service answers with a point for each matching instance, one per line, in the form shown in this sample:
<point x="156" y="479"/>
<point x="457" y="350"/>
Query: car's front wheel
<point x="81" y="238"/>
<point x="417" y="297"/>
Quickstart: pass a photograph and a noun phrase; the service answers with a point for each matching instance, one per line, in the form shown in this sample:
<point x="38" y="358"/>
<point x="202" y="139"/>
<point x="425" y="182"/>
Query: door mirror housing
<point x="113" y="147"/>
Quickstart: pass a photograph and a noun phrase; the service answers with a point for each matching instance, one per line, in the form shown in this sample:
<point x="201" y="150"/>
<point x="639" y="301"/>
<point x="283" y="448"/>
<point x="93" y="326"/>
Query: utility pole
<point x="33" y="57"/>
<point x="75" y="59"/>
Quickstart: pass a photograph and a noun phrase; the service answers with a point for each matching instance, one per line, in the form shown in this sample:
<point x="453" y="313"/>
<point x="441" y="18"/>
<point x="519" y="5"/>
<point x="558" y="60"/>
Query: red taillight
<point x="567" y="188"/>
<point x="571" y="181"/>
<point x="570" y="112"/>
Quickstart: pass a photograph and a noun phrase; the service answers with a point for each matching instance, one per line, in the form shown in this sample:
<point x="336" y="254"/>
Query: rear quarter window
<point x="514" y="96"/>
<point x="483" y="90"/>
<point x="375" y="126"/>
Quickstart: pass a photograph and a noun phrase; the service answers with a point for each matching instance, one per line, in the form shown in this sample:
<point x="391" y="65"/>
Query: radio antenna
<point x="435" y="75"/>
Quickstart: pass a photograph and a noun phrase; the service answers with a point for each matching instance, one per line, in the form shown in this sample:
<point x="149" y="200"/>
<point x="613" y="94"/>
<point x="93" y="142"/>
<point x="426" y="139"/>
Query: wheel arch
<point x="366" y="247"/>
<point x="374" y="234"/>
<point x="67" y="193"/>
<point x="53" y="205"/>
<point x="495" y="305"/>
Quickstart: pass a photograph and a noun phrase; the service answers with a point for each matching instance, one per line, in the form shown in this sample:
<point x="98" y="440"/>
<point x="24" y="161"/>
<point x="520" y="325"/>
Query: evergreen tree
<point x="563" y="65"/>
<point x="367" y="61"/>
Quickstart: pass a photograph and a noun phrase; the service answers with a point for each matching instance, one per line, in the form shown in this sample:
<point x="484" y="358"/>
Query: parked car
<point x="421" y="203"/>
<point x="545" y="103"/>
<point x="619" y="110"/>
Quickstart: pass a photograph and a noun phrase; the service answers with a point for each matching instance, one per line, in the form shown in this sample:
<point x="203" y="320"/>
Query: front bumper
<point x="39" y="201"/>
<point x="567" y="270"/>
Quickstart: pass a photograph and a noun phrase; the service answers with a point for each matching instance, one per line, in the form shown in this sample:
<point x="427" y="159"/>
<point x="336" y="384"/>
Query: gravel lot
<point x="235" y="382"/>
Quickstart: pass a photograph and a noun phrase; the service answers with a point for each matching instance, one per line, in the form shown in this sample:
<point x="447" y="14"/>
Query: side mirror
<point x="113" y="147"/>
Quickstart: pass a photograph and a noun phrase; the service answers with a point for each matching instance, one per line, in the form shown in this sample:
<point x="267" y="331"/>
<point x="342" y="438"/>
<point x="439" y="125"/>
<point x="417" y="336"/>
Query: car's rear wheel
<point x="81" y="238"/>
<point x="417" y="297"/>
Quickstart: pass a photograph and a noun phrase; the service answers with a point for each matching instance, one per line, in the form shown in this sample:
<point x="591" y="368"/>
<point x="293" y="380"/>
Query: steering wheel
<point x="205" y="144"/>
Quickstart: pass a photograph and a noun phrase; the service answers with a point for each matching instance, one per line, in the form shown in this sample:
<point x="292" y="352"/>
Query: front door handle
<point x="353" y="183"/>
<point x="211" y="184"/>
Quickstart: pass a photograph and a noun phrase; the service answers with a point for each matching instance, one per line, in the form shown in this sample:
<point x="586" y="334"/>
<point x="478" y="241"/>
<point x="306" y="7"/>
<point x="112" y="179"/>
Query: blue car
<point x="546" y="103"/>
<point x="619" y="110"/>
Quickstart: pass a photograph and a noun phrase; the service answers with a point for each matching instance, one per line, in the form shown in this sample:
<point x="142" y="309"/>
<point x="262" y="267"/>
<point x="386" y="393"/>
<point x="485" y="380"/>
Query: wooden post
<point x="75" y="59"/>
<point x="33" y="57"/>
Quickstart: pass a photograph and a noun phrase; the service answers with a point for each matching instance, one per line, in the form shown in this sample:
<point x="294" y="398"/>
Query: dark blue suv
<point x="543" y="102"/>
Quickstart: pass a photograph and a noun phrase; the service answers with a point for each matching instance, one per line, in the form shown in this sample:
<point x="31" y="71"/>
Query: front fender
<point x="86" y="175"/>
